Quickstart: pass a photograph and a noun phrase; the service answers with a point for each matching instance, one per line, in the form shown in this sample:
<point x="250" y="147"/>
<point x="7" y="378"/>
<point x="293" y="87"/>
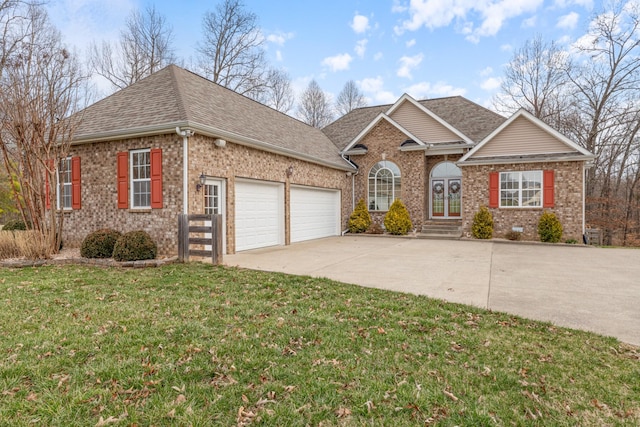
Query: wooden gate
<point x="202" y="231"/>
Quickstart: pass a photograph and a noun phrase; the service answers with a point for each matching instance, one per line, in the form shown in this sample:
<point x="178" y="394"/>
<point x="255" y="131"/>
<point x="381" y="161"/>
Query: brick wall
<point x="568" y="199"/>
<point x="99" y="185"/>
<point x="100" y="199"/>
<point x="238" y="161"/>
<point x="385" y="138"/>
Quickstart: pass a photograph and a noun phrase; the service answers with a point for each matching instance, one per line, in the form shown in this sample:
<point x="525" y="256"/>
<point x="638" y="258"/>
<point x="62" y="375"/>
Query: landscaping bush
<point x="549" y="228"/>
<point x="16" y="224"/>
<point x="397" y="220"/>
<point x="360" y="220"/>
<point x="99" y="244"/>
<point x="482" y="227"/>
<point x="135" y="246"/>
<point x="27" y="244"/>
<point x="375" y="228"/>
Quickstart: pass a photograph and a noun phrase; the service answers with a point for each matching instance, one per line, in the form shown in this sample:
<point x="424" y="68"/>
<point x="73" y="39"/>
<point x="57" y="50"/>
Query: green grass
<point x="201" y="345"/>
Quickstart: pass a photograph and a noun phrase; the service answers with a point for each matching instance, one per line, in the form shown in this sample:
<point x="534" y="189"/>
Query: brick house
<point x="177" y="143"/>
<point x="444" y="158"/>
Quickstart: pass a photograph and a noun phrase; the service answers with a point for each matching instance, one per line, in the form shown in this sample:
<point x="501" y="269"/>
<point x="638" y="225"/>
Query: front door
<point x="446" y="197"/>
<point x="214" y="204"/>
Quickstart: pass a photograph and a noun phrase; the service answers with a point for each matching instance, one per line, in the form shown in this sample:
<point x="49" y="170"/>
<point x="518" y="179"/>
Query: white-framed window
<point x="384" y="185"/>
<point x="521" y="189"/>
<point x="64" y="183"/>
<point x="140" y="162"/>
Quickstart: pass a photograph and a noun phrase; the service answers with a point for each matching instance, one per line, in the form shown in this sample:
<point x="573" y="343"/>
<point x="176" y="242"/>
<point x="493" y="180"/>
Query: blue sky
<point x="426" y="48"/>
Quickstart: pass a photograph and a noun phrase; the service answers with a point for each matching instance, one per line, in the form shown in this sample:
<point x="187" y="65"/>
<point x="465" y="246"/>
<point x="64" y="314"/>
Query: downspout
<point x="353" y="177"/>
<point x="185" y="134"/>
<point x="353" y="185"/>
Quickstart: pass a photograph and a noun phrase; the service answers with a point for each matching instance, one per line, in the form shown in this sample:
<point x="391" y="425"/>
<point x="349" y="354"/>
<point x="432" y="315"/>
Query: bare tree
<point x="145" y="46"/>
<point x="536" y="79"/>
<point x="350" y="98"/>
<point x="315" y="106"/>
<point x="39" y="88"/>
<point x="278" y="93"/>
<point x="12" y="20"/>
<point x="232" y="49"/>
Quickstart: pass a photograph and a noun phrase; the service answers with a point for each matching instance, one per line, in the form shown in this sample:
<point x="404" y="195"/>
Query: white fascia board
<point x="380" y="117"/>
<point x="494" y="161"/>
<point x="434" y="116"/>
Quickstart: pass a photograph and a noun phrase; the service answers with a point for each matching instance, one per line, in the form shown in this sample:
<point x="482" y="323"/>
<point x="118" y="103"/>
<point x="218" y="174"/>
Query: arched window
<point x="384" y="185"/>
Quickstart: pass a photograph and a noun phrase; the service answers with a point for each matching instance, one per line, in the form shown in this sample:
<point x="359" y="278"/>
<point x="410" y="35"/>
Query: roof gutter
<point x="493" y="161"/>
<point x="208" y="131"/>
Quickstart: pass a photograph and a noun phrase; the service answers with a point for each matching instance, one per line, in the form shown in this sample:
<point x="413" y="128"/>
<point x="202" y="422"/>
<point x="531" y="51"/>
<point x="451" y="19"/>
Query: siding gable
<point x="422" y="125"/>
<point x="522" y="137"/>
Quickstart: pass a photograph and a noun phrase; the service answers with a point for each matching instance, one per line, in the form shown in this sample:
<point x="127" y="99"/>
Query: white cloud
<point x="506" y="48"/>
<point x="361" y="47"/>
<point x="278" y="55"/>
<point x="360" y="24"/>
<point x="373" y="87"/>
<point x="378" y="56"/>
<point x="407" y="64"/>
<point x="427" y="90"/>
<point x="385" y="97"/>
<point x="530" y="22"/>
<point x="486" y="72"/>
<point x="474" y="18"/>
<point x="587" y="4"/>
<point x="491" y="84"/>
<point x="371" y="84"/>
<point x="411" y="43"/>
<point x="568" y="21"/>
<point x="338" y="62"/>
<point x="279" y="38"/>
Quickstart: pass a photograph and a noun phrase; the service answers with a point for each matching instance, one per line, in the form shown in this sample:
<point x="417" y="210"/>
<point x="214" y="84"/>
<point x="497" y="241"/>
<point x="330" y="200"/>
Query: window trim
<point x="61" y="185"/>
<point x="384" y="165"/>
<point x="133" y="180"/>
<point x="520" y="190"/>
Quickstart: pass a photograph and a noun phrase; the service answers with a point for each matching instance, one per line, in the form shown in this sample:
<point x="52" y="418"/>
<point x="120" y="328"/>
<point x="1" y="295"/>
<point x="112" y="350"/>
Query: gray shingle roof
<point x="471" y="119"/>
<point x="174" y="96"/>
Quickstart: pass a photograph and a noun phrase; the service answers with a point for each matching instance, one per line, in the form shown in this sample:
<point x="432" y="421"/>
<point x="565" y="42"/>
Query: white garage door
<point x="315" y="213"/>
<point x="259" y="217"/>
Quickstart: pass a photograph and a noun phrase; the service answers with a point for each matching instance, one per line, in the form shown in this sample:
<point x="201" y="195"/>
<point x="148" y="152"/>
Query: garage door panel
<point x="315" y="213"/>
<point x="259" y="214"/>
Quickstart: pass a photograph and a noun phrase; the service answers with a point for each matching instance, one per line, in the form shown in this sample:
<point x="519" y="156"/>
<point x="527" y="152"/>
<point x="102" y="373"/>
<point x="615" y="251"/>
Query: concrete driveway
<point x="575" y="286"/>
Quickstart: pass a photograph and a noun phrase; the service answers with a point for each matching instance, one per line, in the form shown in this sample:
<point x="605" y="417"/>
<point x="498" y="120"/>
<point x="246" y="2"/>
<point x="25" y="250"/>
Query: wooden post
<point x="181" y="239"/>
<point x="216" y="239"/>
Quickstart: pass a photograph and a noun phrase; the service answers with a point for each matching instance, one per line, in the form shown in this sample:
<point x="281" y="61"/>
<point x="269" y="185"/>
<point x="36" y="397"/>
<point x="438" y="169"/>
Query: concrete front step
<point x="445" y="229"/>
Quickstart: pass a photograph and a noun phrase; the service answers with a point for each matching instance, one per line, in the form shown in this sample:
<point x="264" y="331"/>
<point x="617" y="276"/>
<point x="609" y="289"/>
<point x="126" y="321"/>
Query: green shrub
<point x="549" y="228"/>
<point x="99" y="244"/>
<point x="16" y="224"/>
<point x="482" y="227"/>
<point x="360" y="220"/>
<point x="134" y="246"/>
<point x="397" y="220"/>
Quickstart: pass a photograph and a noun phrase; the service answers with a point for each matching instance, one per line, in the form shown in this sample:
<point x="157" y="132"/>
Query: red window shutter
<point x="494" y="189"/>
<point x="156" y="178"/>
<point x="123" y="180"/>
<point x="548" y="186"/>
<point x="75" y="183"/>
<point x="47" y="189"/>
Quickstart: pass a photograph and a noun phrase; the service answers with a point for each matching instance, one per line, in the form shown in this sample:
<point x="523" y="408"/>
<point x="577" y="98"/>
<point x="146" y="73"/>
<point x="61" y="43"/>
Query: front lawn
<point x="201" y="345"/>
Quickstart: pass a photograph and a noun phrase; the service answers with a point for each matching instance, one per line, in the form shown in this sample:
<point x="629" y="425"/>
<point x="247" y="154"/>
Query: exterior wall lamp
<point x="289" y="171"/>
<point x="201" y="181"/>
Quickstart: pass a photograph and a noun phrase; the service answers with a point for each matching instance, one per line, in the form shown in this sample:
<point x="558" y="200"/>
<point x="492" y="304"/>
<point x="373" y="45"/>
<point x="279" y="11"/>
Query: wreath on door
<point x="438" y="188"/>
<point x="454" y="188"/>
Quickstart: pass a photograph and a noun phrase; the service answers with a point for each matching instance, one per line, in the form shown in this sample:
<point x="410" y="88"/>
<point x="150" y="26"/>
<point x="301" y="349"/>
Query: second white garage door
<point x="259" y="214"/>
<point x="315" y="213"/>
